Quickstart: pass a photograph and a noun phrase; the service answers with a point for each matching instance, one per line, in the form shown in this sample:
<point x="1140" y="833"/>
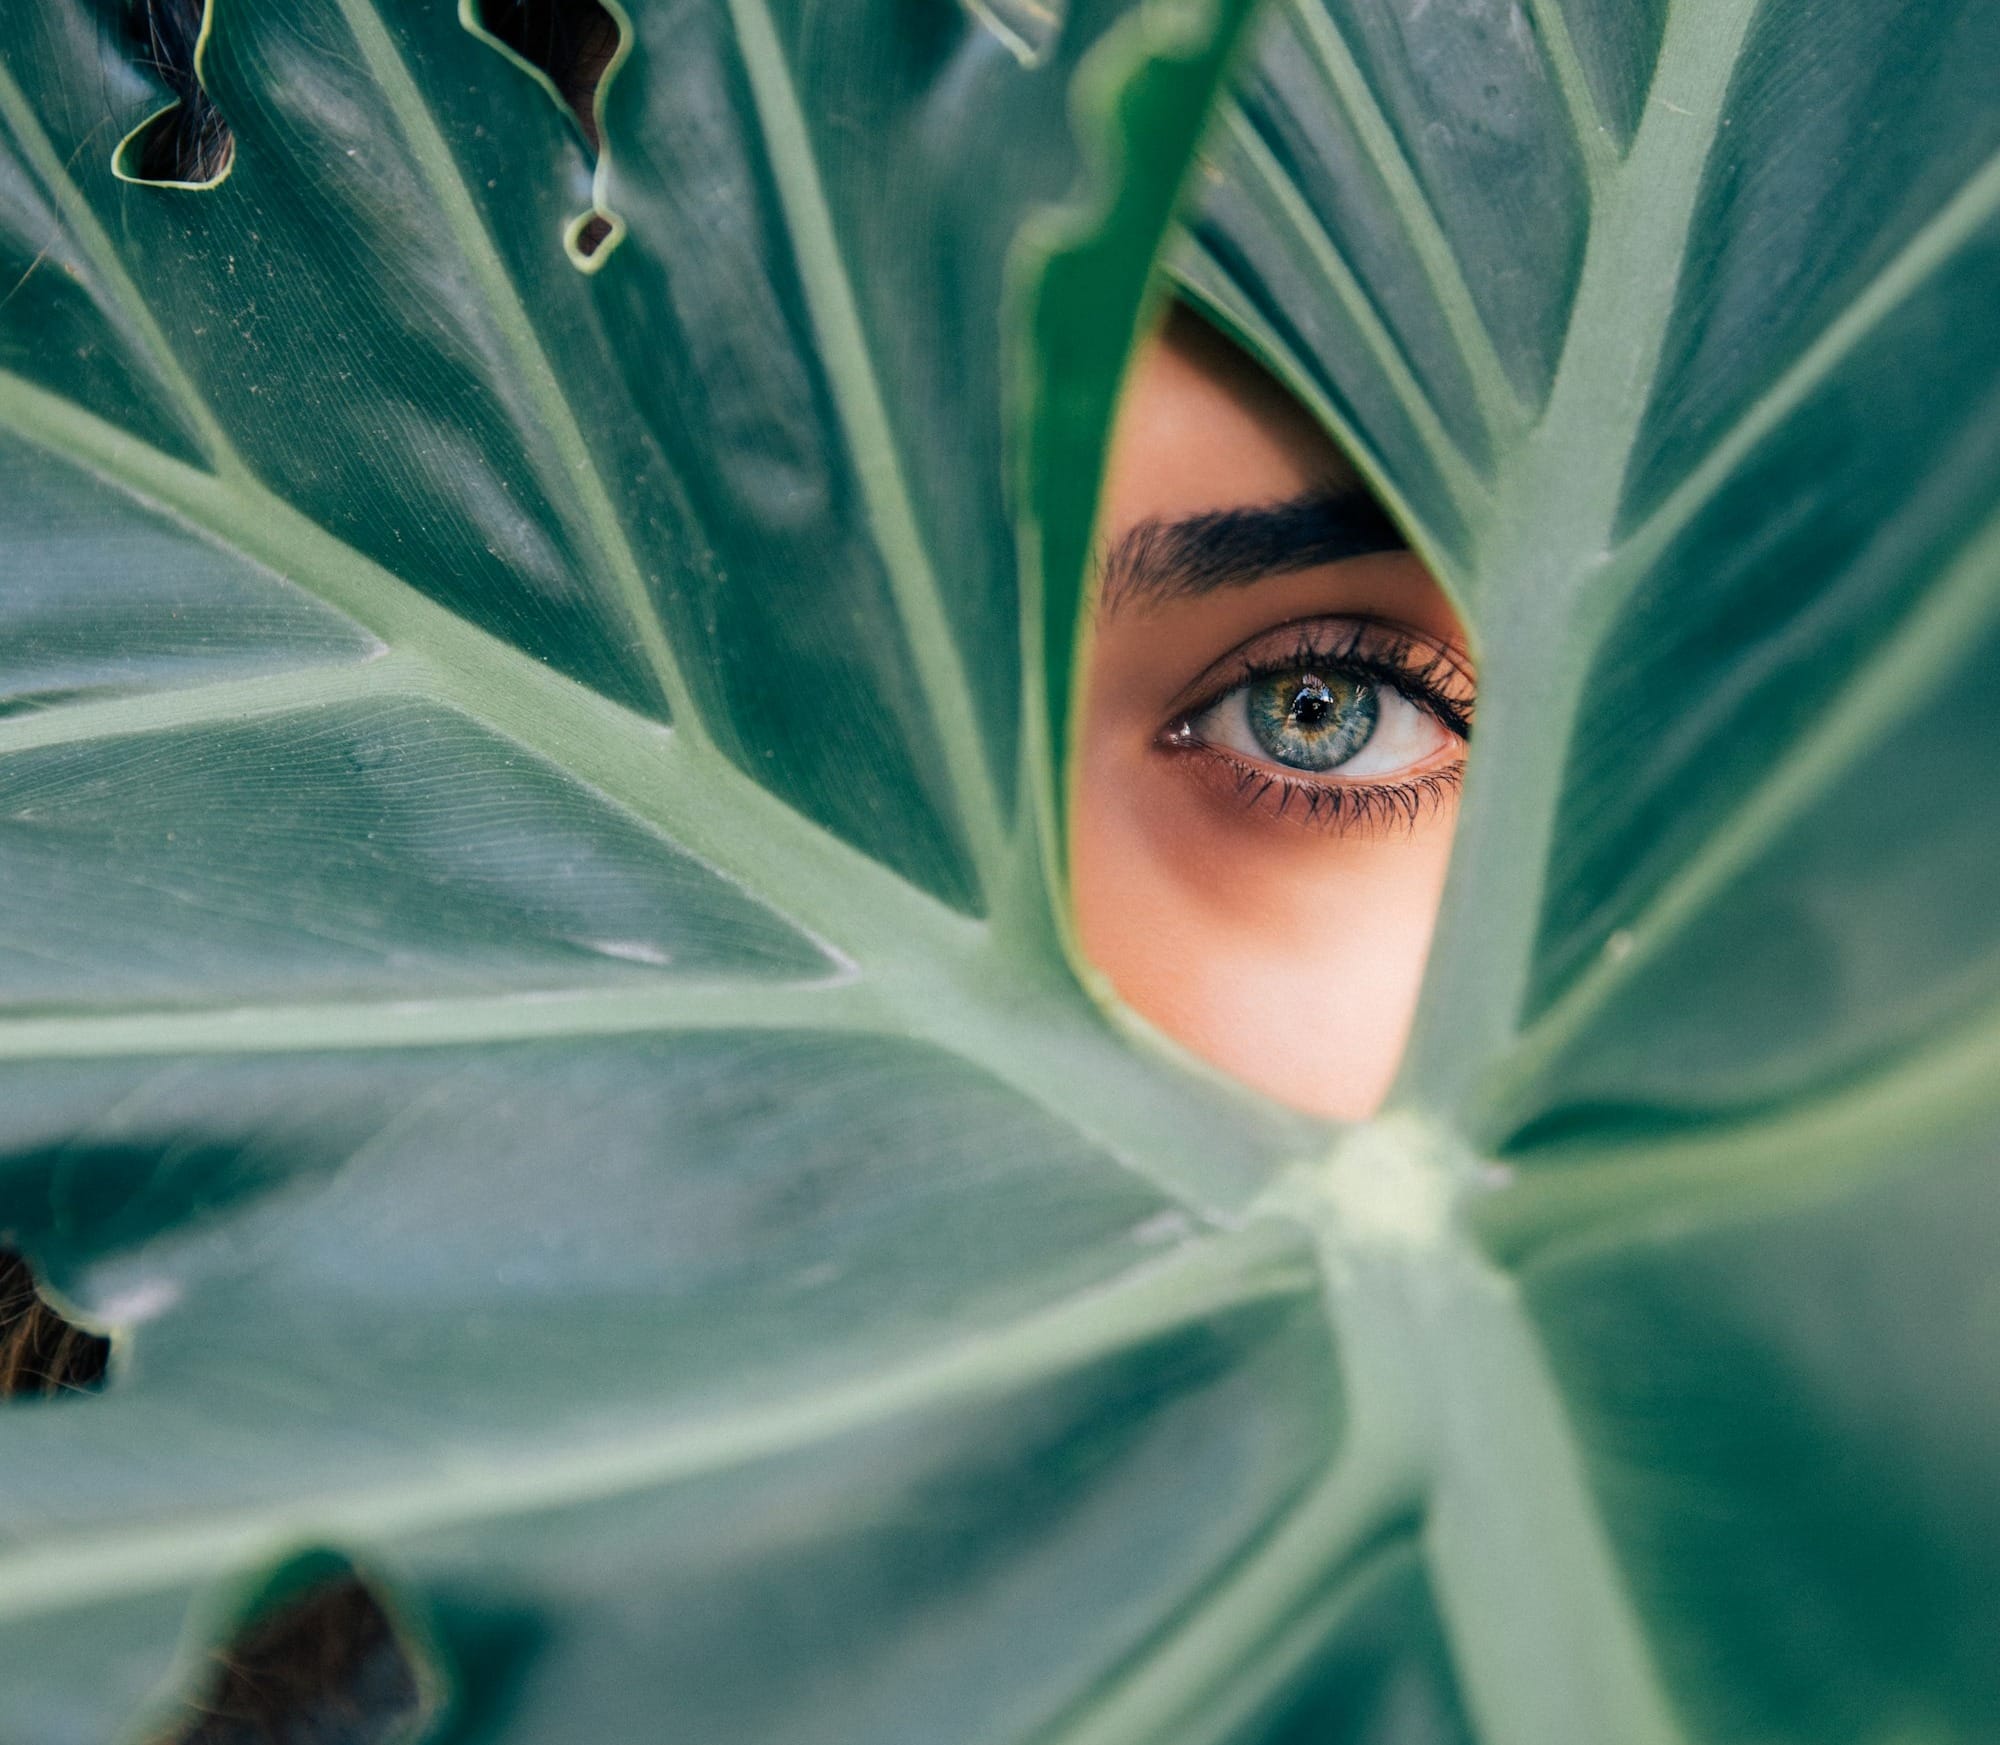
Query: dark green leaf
<point x="1716" y="977"/>
<point x="529" y="999"/>
<point x="530" y="1004"/>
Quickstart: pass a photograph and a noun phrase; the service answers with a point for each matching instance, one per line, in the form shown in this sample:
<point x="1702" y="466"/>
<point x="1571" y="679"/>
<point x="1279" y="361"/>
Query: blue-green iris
<point x="1308" y="722"/>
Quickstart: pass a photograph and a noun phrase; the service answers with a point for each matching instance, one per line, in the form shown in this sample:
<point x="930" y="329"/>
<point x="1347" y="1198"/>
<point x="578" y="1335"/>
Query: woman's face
<point x="1273" y="734"/>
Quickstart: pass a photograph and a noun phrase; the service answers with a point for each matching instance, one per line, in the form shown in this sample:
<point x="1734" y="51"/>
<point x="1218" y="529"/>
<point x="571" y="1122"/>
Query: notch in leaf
<point x="314" y="1654"/>
<point x="187" y="144"/>
<point x="42" y="1352"/>
<point x="571" y="48"/>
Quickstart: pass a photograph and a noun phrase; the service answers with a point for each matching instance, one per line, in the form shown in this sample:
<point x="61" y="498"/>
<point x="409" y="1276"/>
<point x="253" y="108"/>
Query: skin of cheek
<point x="1299" y="981"/>
<point x="1285" y="952"/>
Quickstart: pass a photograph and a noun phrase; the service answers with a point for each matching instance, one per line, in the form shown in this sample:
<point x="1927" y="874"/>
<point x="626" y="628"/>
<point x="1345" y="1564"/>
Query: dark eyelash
<point x="1398" y="804"/>
<point x="1389" y="664"/>
<point x="1372" y="651"/>
<point x="1429" y="675"/>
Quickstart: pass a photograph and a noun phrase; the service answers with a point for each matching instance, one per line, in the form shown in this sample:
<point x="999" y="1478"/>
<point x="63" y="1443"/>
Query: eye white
<point x="1405" y="738"/>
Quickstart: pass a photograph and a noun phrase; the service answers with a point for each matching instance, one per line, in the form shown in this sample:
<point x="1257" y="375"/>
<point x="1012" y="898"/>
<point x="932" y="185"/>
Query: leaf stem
<point x="1549" y="590"/>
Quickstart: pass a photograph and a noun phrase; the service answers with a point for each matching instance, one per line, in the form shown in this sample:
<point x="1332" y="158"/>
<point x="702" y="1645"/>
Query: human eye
<point x="1331" y="721"/>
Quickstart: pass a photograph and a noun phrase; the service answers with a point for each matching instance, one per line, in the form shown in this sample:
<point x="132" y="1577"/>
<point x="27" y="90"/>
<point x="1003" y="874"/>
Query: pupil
<point x="1307" y="722"/>
<point x="1313" y="704"/>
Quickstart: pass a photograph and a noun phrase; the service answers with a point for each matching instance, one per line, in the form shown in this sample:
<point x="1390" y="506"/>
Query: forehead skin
<point x="1202" y="427"/>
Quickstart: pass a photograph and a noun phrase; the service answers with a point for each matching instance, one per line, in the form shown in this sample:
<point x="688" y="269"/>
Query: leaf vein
<point x="857" y="393"/>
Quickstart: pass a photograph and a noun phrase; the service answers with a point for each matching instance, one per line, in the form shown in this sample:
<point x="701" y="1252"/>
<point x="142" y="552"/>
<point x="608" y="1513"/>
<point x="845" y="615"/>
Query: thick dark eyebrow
<point x="1157" y="560"/>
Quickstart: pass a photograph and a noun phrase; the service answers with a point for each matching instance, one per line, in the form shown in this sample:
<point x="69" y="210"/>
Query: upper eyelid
<point x="1241" y="664"/>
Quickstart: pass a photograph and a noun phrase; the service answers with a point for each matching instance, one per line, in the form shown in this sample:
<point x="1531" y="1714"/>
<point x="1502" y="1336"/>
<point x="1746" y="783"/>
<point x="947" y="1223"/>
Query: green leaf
<point x="1715" y="986"/>
<point x="530" y="1000"/>
<point x="528" y="1003"/>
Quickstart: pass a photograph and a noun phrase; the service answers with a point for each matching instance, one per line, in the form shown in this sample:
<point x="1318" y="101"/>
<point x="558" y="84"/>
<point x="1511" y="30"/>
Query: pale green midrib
<point x="1629" y="284"/>
<point x="1528" y="1580"/>
<point x="1593" y="136"/>
<point x="857" y="395"/>
<point x="737" y="827"/>
<point x="1468" y="492"/>
<point x="364" y="1023"/>
<point x="1552" y="569"/>
<point x="920" y="1012"/>
<point x="1476" y="987"/>
<point x="1898" y="679"/>
<point x="1208" y="1277"/>
<point x="511" y="322"/>
<point x="690" y="796"/>
<point x="1245" y="1611"/>
<point x="76" y="210"/>
<point x="1865" y="1131"/>
<point x="1414" y="1299"/>
<point x="1500" y="406"/>
<point x="1931" y="247"/>
<point x="223" y="702"/>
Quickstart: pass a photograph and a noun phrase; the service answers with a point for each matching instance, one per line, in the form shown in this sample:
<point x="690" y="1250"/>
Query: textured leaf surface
<point x="528" y="995"/>
<point x="528" y="998"/>
<point x="1716" y="980"/>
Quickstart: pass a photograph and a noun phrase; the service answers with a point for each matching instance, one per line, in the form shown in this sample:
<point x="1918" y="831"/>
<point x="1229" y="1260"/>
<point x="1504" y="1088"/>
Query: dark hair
<point x="40" y="1352"/>
<point x="189" y="143"/>
<point x="324" y="1665"/>
<point x="572" y="41"/>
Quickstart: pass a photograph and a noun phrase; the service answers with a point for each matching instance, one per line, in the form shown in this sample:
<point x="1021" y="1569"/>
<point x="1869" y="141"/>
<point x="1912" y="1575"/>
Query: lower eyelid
<point x="1325" y="802"/>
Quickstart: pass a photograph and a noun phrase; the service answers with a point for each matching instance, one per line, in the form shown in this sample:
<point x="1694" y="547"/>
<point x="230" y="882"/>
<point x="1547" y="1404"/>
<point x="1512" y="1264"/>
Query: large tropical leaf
<point x="531" y="1006"/>
<point x="1670" y="328"/>
<point x="528" y="1003"/>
